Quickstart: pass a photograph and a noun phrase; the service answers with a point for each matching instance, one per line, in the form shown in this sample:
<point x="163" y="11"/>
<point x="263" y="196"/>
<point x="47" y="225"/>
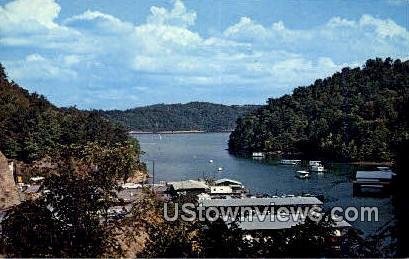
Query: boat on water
<point x="220" y="169"/>
<point x="316" y="163"/>
<point x="290" y="161"/>
<point x="210" y="161"/>
<point x="258" y="154"/>
<point x="316" y="166"/>
<point x="303" y="174"/>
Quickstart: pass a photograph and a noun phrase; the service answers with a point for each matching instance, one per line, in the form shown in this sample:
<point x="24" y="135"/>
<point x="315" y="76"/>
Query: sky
<point x="104" y="54"/>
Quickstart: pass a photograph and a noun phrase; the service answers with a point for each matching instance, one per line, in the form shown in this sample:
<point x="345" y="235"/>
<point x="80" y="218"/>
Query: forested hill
<point x="32" y="128"/>
<point x="173" y="117"/>
<point x="354" y="115"/>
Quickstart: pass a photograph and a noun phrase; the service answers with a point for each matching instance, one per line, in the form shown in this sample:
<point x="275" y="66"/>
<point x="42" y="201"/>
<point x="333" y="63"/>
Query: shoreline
<point x="177" y="132"/>
<point x="325" y="160"/>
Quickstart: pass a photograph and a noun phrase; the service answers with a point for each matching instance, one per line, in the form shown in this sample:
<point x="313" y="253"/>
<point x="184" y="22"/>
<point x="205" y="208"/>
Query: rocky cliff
<point x="9" y="195"/>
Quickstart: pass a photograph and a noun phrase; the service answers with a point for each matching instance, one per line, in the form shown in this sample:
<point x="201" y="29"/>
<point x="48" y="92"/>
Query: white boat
<point x="290" y="161"/>
<point x="317" y="168"/>
<point x="210" y="161"/>
<point x="220" y="169"/>
<point x="258" y="154"/>
<point x="303" y="174"/>
<point x="314" y="163"/>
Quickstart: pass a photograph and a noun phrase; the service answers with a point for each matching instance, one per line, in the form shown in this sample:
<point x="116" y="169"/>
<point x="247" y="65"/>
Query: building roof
<point x="188" y="185"/>
<point x="32" y="188"/>
<point x="131" y="186"/>
<point x="381" y="175"/>
<point x="224" y="180"/>
<point x="270" y="222"/>
<point x="129" y="195"/>
<point x="342" y="224"/>
<point x="383" y="168"/>
<point x="37" y="178"/>
<point x="279" y="201"/>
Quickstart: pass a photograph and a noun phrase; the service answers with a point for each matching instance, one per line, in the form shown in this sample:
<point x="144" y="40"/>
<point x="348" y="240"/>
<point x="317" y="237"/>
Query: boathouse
<point x="235" y="186"/>
<point x="380" y="179"/>
<point x="297" y="201"/>
<point x="188" y="186"/>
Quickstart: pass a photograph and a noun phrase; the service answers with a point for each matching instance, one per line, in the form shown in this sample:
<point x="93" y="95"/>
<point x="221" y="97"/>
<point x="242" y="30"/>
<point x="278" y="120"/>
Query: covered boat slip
<point x="374" y="175"/>
<point x="262" y="202"/>
<point x="268" y="220"/>
<point x="379" y="179"/>
<point x="253" y="220"/>
<point x="274" y="222"/>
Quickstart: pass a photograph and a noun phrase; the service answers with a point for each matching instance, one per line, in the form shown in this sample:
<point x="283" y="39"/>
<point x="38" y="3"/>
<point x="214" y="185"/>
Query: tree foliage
<point x="70" y="218"/>
<point x="190" y="116"/>
<point x="353" y="115"/>
<point x="31" y="127"/>
<point x="89" y="155"/>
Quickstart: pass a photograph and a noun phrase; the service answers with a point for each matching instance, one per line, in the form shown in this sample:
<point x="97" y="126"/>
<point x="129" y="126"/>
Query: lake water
<point x="186" y="156"/>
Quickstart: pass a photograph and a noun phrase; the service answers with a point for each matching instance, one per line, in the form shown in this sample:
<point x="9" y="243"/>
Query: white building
<point x="221" y="190"/>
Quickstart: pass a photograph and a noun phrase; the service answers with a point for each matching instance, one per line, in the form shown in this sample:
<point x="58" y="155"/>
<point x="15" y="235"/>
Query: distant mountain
<point x="357" y="114"/>
<point x="175" y="117"/>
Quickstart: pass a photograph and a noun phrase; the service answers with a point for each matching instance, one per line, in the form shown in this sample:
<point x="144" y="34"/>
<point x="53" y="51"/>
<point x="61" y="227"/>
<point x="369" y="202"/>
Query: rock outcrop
<point x="9" y="195"/>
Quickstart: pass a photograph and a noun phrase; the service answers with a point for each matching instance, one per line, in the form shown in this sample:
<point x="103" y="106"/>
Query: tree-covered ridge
<point x="31" y="127"/>
<point x="355" y="114"/>
<point x="190" y="116"/>
<point x="84" y="158"/>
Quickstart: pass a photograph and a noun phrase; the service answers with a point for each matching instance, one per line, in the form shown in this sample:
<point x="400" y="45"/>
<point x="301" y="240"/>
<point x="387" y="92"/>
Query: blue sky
<point x="126" y="53"/>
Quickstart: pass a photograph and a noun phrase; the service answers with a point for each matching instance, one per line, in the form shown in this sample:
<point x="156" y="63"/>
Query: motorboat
<point x="290" y="161"/>
<point x="314" y="163"/>
<point x="317" y="168"/>
<point x="258" y="154"/>
<point x="303" y="174"/>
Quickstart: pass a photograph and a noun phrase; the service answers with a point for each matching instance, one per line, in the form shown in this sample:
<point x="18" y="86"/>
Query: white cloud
<point x="248" y="29"/>
<point x="98" y="51"/>
<point x="98" y="22"/>
<point x="178" y="16"/>
<point x="384" y="28"/>
<point x="339" y="38"/>
<point x="37" y="67"/>
<point x="72" y="60"/>
<point x="35" y="58"/>
<point x="398" y="2"/>
<point x="340" y="22"/>
<point x="29" y="15"/>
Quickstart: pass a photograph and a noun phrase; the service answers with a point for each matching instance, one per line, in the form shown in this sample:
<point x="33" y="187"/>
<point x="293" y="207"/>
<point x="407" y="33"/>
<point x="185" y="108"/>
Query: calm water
<point x="186" y="156"/>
